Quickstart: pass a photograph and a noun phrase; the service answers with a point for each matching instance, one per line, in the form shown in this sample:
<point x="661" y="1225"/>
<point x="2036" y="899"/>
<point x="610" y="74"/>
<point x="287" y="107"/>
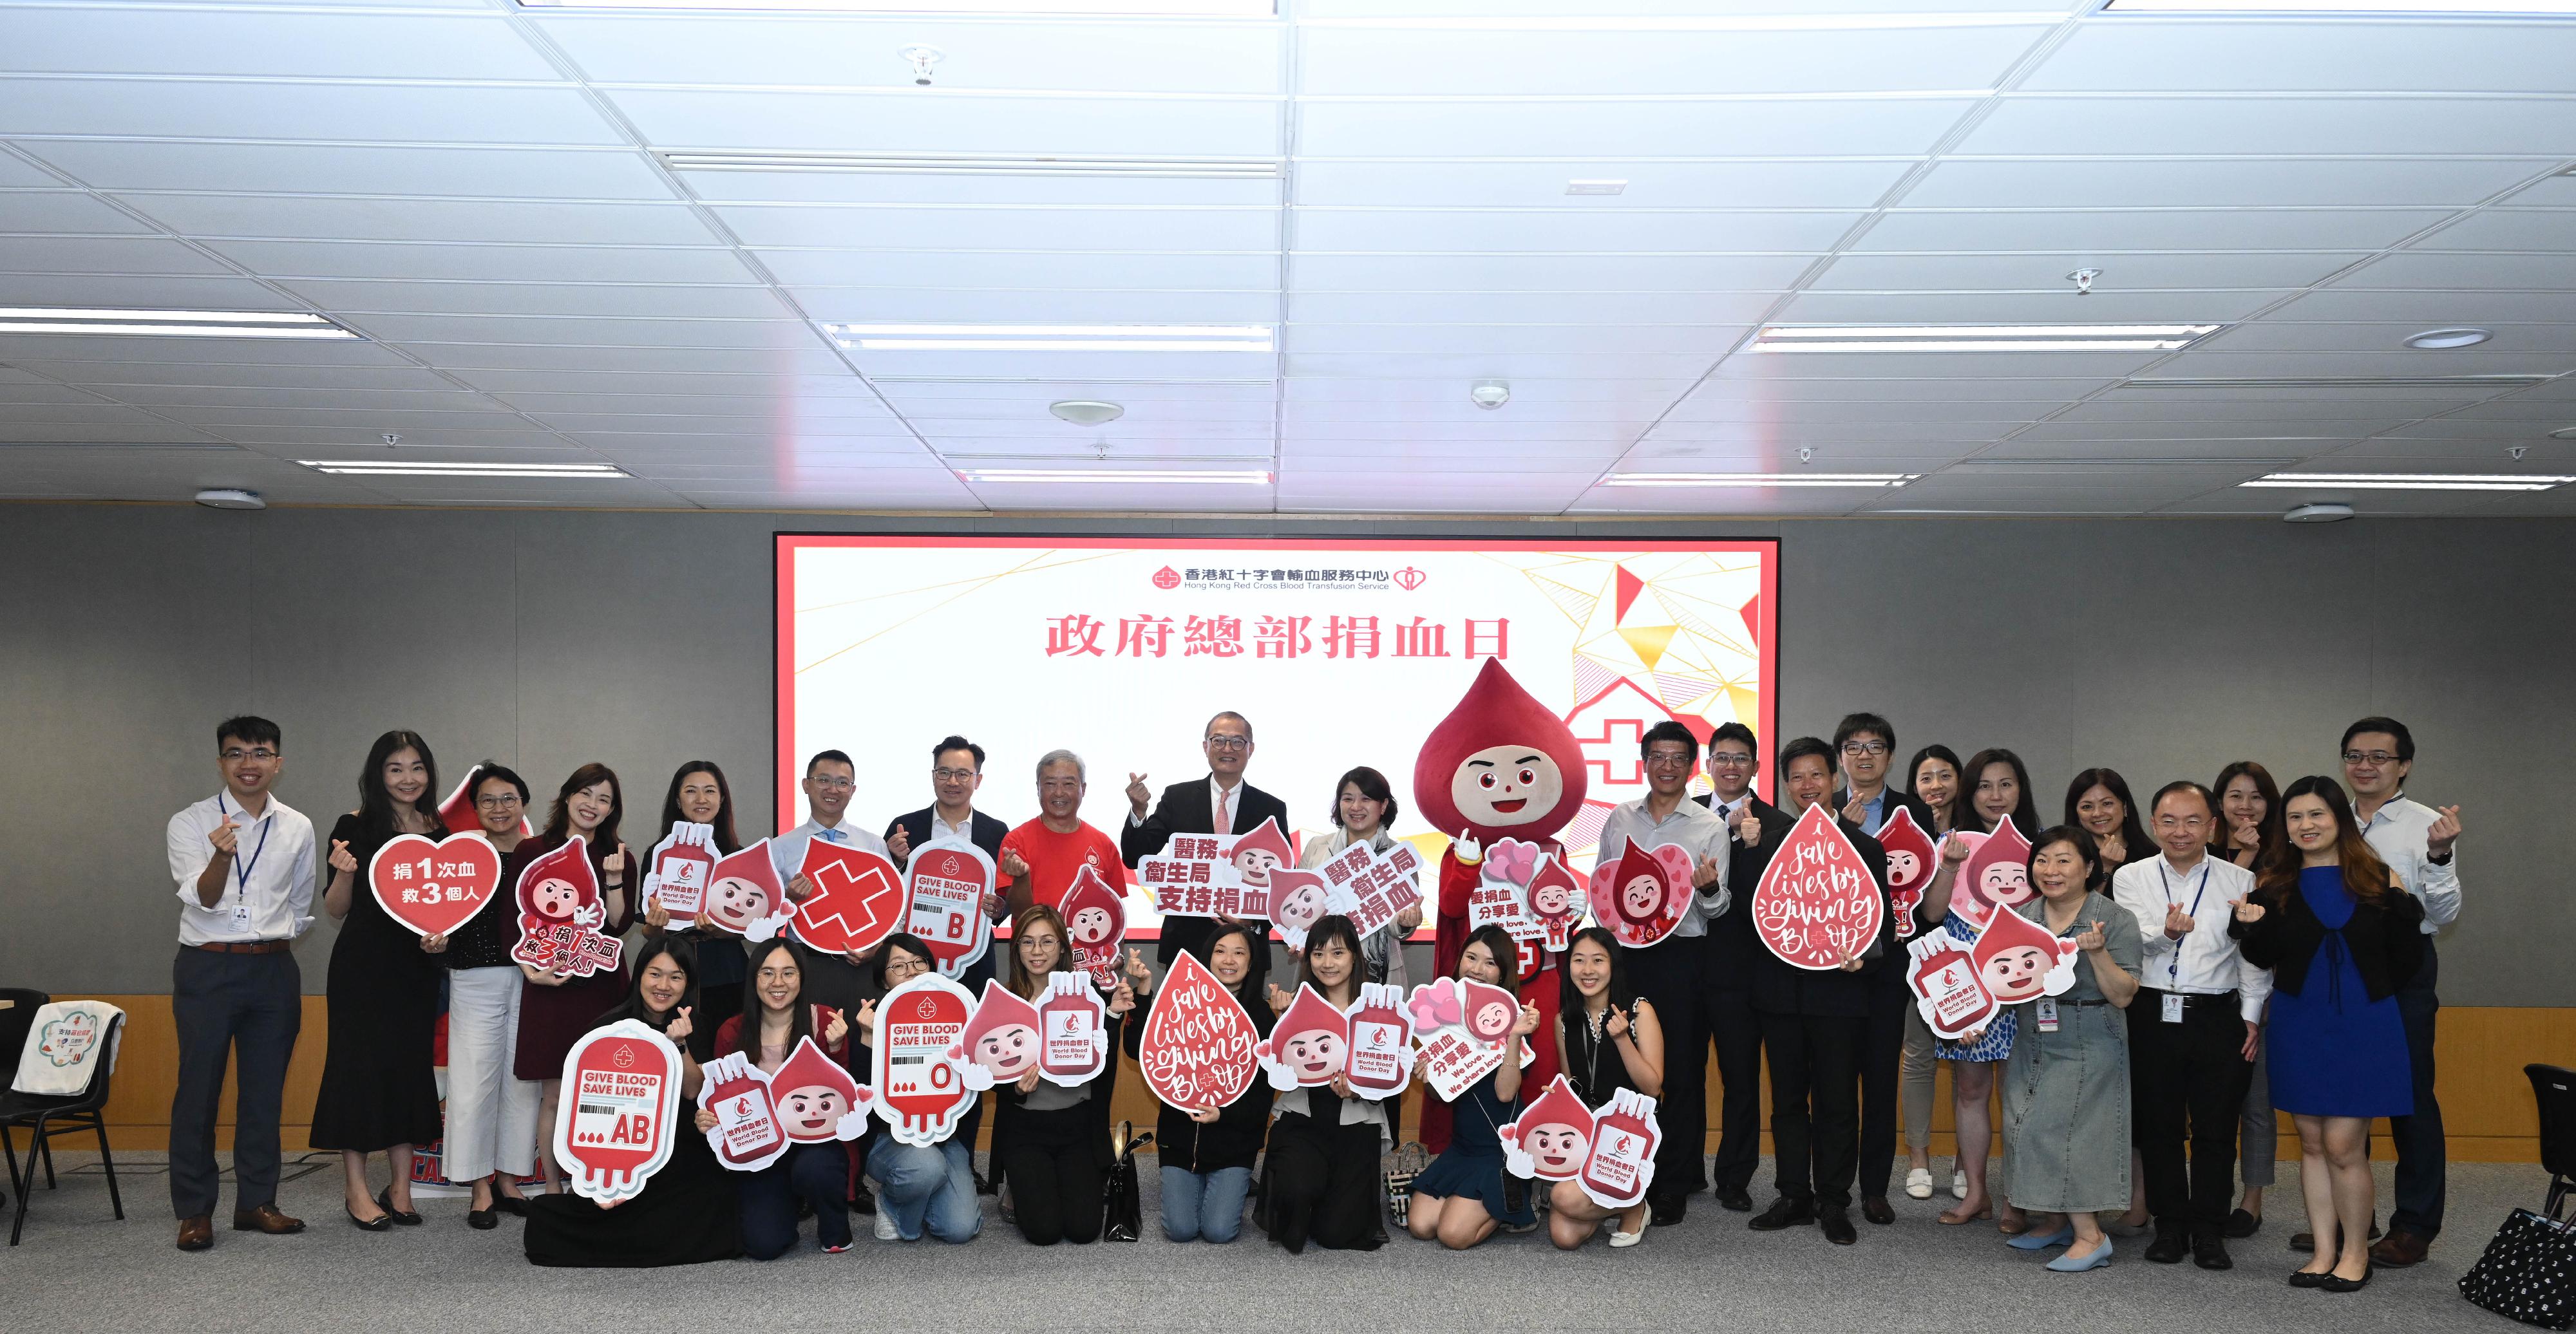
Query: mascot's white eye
<point x="1485" y="781"/>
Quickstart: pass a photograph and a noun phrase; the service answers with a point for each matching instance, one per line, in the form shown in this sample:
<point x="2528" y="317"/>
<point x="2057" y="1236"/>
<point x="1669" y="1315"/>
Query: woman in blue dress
<point x="2340" y="936"/>
<point x="1994" y="788"/>
<point x="1465" y="1194"/>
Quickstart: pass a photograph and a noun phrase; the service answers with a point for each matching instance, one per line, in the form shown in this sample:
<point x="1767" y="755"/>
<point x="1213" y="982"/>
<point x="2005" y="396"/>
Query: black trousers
<point x="2187" y="1083"/>
<point x="1737" y="1031"/>
<point x="2421" y="1165"/>
<point x="1668" y="974"/>
<point x="219" y="1001"/>
<point x="1882" y="1057"/>
<point x="1057" y="1174"/>
<point x="1815" y="1104"/>
<point x="1320" y="1182"/>
<point x="815" y="1174"/>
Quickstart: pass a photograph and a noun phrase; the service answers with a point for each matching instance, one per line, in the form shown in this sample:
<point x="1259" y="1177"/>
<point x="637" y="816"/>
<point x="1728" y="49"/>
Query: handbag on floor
<point x="1122" y="1202"/>
<point x="1408" y="1162"/>
<point x="2528" y="1271"/>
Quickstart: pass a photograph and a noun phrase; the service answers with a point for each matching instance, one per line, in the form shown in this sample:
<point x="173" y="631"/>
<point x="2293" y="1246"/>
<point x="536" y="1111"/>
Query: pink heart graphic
<point x="1512" y="859"/>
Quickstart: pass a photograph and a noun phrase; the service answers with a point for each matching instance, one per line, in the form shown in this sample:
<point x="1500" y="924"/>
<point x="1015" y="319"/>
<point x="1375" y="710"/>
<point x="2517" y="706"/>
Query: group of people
<point x="2238" y="948"/>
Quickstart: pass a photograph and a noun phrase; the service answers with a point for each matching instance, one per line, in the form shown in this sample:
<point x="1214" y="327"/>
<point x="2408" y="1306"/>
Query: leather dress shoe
<point x="1666" y="1210"/>
<point x="2169" y="1247"/>
<point x="1836" y="1225"/>
<point x="266" y="1218"/>
<point x="1784" y="1213"/>
<point x="196" y="1233"/>
<point x="2210" y="1252"/>
<point x="2241" y="1225"/>
<point x="2397" y="1250"/>
<point x="1877" y="1210"/>
<point x="1734" y="1199"/>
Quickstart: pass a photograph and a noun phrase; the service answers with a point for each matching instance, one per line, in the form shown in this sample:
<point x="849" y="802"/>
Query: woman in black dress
<point x="687" y="1213"/>
<point x="556" y="1010"/>
<point x="1607" y="1039"/>
<point x="700" y="795"/>
<point x="379" y="1089"/>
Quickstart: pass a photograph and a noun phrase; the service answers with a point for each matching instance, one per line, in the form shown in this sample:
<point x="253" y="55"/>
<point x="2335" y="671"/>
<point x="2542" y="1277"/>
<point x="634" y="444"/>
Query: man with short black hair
<point x="243" y="863"/>
<point x="834" y="978"/>
<point x="1754" y="827"/>
<point x="2193" y="1026"/>
<point x="2416" y="842"/>
<point x="1667" y="973"/>
<point x="1866" y="743"/>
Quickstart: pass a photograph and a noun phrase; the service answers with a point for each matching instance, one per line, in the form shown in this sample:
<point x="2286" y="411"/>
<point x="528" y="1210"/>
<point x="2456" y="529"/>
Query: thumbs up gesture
<point x="1748" y="828"/>
<point x="2178" y="923"/>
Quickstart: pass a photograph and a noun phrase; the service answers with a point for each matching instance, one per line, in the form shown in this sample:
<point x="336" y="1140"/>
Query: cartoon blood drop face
<point x="2014" y="957"/>
<point x="1491" y="1011"/>
<point x="813" y="1093"/>
<point x="1553" y="1134"/>
<point x="1096" y="919"/>
<point x="742" y="888"/>
<point x="1000" y="1043"/>
<point x="1996" y="876"/>
<point x="1299" y="902"/>
<point x="1258" y="853"/>
<point x="920" y="1085"/>
<point x="1501" y="764"/>
<point x="559" y="889"/>
<point x="1911" y="859"/>
<point x="621" y="1089"/>
<point x="1309" y="1044"/>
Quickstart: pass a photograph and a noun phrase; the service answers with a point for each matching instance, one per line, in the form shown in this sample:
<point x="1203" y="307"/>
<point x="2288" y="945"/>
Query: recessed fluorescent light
<point x="1760" y="479"/>
<point x="2341" y="7"/>
<point x="169" y="323"/>
<point x="940" y="164"/>
<point x="2476" y="384"/>
<point x="1580" y="187"/>
<point x="1979" y="337"/>
<point x="1789" y="22"/>
<point x="425" y="468"/>
<point x="1166" y="476"/>
<point x="1016" y="8"/>
<point x="1052" y="337"/>
<point x="2411" y="481"/>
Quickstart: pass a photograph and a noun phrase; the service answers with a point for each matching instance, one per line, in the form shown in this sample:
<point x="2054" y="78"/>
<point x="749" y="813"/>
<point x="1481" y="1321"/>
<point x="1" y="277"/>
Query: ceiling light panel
<point x="1245" y="9"/>
<point x="1878" y="480"/>
<point x="433" y="468"/>
<point x="2421" y="481"/>
<point x="2344" y="8"/>
<point x="1981" y="338"/>
<point x="1053" y="337"/>
<point x="925" y="164"/>
<point x="1107" y="476"/>
<point x="168" y="323"/>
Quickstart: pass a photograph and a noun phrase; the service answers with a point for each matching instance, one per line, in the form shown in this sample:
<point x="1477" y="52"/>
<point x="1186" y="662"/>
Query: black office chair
<point x="2554" y="1086"/>
<point x="16" y="1018"/>
<point x="48" y="1117"/>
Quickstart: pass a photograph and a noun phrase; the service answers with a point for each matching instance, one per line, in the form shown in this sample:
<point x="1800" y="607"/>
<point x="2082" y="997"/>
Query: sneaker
<point x="831" y="1249"/>
<point x="885" y="1227"/>
<point x="1958" y="1183"/>
<point x="1918" y="1184"/>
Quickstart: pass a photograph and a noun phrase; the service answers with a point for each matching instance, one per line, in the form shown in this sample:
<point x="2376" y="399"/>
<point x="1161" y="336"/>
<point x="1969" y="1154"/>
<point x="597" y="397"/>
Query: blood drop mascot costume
<point x="1501" y="765"/>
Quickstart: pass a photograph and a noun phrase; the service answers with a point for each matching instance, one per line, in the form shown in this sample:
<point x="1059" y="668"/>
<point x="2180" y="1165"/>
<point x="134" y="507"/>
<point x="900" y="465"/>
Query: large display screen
<point x="1340" y="653"/>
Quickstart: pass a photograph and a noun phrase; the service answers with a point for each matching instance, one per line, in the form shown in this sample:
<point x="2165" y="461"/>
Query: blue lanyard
<point x="242" y="869"/>
<point x="2173" y="966"/>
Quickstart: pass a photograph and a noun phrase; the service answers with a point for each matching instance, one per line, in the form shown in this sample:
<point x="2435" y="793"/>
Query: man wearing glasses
<point x="836" y="979"/>
<point x="2415" y="840"/>
<point x="1754" y="827"/>
<point x="1867" y="744"/>
<point x="1222" y="803"/>
<point x="243" y="863"/>
<point x="956" y="772"/>
<point x="1667" y="973"/>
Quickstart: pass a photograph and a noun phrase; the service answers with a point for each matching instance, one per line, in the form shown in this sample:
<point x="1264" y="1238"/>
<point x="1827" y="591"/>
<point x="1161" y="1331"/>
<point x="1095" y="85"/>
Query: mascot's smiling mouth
<point x="1512" y="807"/>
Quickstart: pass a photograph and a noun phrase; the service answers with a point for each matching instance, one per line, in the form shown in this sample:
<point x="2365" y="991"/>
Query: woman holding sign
<point x="1607" y="1039"/>
<point x="1933" y="777"/>
<point x="379" y="1086"/>
<point x="700" y="795"/>
<point x="815" y="1175"/>
<point x="686" y="1213"/>
<point x="1057" y="1158"/>
<point x="558" y="1009"/>
<point x="1465" y="1193"/>
<point x="1994" y="791"/>
<point x="2066" y="1085"/>
<point x="1207" y="1152"/>
<point x="920" y="1188"/>
<point x="2251" y="804"/>
<point x="1320" y="1182"/>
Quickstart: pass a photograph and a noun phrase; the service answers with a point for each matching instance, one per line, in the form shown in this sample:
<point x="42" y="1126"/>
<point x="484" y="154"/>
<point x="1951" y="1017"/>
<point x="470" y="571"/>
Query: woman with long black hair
<point x="700" y="795"/>
<point x="811" y="1177"/>
<point x="1932" y="776"/>
<point x="2098" y="802"/>
<point x="1607" y="1039"/>
<point x="1994" y="786"/>
<point x="1207" y="1152"/>
<point x="2249" y="805"/>
<point x="558" y="1009"/>
<point x="379" y="1087"/>
<point x="1320" y="1181"/>
<point x="1467" y="1192"/>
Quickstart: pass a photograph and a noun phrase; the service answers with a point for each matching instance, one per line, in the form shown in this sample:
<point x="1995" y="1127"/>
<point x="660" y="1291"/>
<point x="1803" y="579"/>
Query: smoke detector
<point x="230" y="498"/>
<point x="1087" y="411"/>
<point x="922" y="59"/>
<point x="1490" y="394"/>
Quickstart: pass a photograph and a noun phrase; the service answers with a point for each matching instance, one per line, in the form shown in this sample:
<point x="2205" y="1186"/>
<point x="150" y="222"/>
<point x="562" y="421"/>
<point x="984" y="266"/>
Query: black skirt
<point x="688" y="1213"/>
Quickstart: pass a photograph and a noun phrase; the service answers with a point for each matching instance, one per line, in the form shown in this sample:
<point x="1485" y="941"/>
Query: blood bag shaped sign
<point x="1380" y="1063"/>
<point x="945" y="881"/>
<point x="811" y="1099"/>
<point x="434" y="888"/>
<point x="1198" y="1050"/>
<point x="621" y="1094"/>
<point x="680" y="868"/>
<point x="920" y="1087"/>
<point x="1817" y="904"/>
<point x="1622" y="1161"/>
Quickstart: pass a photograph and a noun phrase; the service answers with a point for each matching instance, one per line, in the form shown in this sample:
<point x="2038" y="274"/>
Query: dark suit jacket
<point x="988" y="835"/>
<point x="1732" y="945"/>
<point x="1782" y="988"/>
<point x="1184" y="809"/>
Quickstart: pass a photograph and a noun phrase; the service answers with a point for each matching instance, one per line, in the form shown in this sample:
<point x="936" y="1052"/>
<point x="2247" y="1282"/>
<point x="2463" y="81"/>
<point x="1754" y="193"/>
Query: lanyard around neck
<point x="242" y="869"/>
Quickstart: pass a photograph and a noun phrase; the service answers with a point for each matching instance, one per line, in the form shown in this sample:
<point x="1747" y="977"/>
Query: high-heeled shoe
<point x="1956" y="1218"/>
<point x="384" y="1224"/>
<point x="2035" y="1240"/>
<point x="2068" y="1264"/>
<point x="385" y="1201"/>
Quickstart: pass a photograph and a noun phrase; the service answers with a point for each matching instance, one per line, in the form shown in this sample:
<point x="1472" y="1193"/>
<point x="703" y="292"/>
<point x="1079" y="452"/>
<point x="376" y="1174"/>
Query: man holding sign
<point x="1222" y="803"/>
<point x="1667" y="971"/>
<point x="831" y="978"/>
<point x="956" y="774"/>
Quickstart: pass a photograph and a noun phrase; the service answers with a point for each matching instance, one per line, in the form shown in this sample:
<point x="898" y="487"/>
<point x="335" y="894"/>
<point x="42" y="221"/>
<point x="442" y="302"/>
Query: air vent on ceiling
<point x="2471" y="383"/>
<point x="949" y="164"/>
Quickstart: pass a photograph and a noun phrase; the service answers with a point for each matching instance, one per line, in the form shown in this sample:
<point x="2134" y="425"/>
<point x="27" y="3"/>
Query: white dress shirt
<point x="1695" y="829"/>
<point x="963" y="831"/>
<point x="268" y="892"/>
<point x="2206" y="962"/>
<point x="1220" y="797"/>
<point x="2396" y="831"/>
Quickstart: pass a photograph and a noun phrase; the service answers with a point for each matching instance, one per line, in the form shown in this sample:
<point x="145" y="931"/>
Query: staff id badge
<point x="2173" y="1007"/>
<point x="2047" y="1014"/>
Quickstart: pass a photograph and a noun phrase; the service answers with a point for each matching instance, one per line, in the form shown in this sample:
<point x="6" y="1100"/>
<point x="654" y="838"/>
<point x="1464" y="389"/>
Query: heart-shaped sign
<point x="434" y="888"/>
<point x="1642" y="893"/>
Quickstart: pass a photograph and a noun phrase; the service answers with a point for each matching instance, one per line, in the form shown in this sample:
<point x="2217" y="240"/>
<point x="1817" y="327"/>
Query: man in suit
<point x="1814" y="1027"/>
<point x="1754" y="828"/>
<point x="1867" y="744"/>
<point x="1221" y="803"/>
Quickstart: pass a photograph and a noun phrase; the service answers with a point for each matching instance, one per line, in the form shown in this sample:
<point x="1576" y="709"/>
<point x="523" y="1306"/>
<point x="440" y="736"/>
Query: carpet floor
<point x="78" y="1269"/>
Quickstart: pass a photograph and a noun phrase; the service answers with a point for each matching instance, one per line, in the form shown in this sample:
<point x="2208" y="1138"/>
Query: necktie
<point x="1224" y="812"/>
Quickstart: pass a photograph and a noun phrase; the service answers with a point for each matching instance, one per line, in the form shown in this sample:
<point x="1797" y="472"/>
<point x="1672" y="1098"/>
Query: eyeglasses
<point x="952" y="775"/>
<point x="1667" y="760"/>
<point x="1229" y="743"/>
<point x="1727" y="759"/>
<point x="1864" y="748"/>
<point x="2375" y="757"/>
<point x="832" y="784"/>
<point x="904" y="969"/>
<point x="500" y="803"/>
<point x="236" y="754"/>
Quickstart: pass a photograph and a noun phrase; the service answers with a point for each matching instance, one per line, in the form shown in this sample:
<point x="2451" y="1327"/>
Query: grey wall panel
<point x="547" y="638"/>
